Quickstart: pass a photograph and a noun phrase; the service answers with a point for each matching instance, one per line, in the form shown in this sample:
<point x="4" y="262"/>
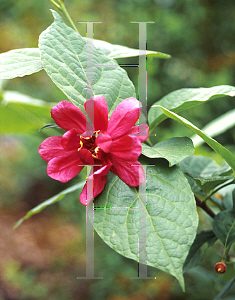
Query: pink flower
<point x="111" y="144"/>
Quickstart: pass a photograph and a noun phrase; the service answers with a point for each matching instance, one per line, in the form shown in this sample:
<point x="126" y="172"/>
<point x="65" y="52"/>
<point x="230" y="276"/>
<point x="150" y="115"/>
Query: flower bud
<point x="220" y="267"/>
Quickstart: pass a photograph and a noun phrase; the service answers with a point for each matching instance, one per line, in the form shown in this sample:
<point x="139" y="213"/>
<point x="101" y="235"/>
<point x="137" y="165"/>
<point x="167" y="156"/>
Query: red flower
<point x="113" y="144"/>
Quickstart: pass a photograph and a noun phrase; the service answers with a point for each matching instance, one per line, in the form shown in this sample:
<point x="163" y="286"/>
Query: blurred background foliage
<point x="44" y="256"/>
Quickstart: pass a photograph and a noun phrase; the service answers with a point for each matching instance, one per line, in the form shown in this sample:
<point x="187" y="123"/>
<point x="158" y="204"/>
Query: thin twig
<point x="204" y="206"/>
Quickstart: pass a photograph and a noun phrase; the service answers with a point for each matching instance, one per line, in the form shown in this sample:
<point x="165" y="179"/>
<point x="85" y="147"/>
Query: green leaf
<point x="118" y="51"/>
<point x="195" y="255"/>
<point x="225" y="289"/>
<point x="64" y="57"/>
<point x="184" y="99"/>
<point x="224" y="226"/>
<point x="22" y="114"/>
<point x="171" y="218"/>
<point x="209" y="183"/>
<point x="216" y="127"/>
<point x="49" y="201"/>
<point x="217" y="147"/>
<point x="174" y="149"/>
<point x="20" y="62"/>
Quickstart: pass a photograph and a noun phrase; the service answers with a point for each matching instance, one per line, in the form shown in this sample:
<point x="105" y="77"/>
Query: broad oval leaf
<point x="184" y="99"/>
<point x="65" y="54"/>
<point x="20" y="62"/>
<point x="174" y="150"/>
<point x="171" y="218"/>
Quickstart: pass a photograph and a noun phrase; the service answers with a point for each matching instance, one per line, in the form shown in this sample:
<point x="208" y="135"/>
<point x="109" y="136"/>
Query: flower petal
<point x="141" y="132"/>
<point x="97" y="110"/>
<point x="104" y="141"/>
<point x="70" y="140"/>
<point x="64" y="168"/>
<point x="50" y="148"/>
<point x="132" y="173"/>
<point x="99" y="180"/>
<point x="86" y="156"/>
<point x="124" y="117"/>
<point x="68" y="116"/>
<point x="127" y="148"/>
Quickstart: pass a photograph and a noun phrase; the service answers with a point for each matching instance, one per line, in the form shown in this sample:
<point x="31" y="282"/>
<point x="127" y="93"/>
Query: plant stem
<point x="216" y="190"/>
<point x="148" y="142"/>
<point x="204" y="206"/>
<point x="56" y="5"/>
<point x="62" y="8"/>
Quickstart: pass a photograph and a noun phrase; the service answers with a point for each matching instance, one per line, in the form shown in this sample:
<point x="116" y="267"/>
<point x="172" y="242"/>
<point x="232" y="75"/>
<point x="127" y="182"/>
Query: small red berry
<point x="220" y="267"/>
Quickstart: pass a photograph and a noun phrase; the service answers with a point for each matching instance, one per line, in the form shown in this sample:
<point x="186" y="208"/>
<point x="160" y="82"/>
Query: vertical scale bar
<point x="142" y="243"/>
<point x="90" y="266"/>
<point x="142" y="88"/>
<point x="142" y="83"/>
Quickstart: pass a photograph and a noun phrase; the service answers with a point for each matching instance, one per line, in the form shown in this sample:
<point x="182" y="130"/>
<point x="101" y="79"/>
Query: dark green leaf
<point x="225" y="289"/>
<point x="224" y="226"/>
<point x="195" y="255"/>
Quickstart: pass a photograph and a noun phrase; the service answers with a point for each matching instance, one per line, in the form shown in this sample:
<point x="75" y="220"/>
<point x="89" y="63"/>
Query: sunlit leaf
<point x="20" y="62"/>
<point x="21" y="113"/>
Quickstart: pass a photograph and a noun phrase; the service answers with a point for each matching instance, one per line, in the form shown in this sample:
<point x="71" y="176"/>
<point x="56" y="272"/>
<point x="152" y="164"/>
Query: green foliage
<point x="174" y="150"/>
<point x="195" y="255"/>
<point x="224" y="227"/>
<point x="217" y="147"/>
<point x="21" y="113"/>
<point x="171" y="218"/>
<point x="183" y="99"/>
<point x="20" y="62"/>
<point x="170" y="210"/>
<point x="64" y="57"/>
<point x="50" y="201"/>
<point x="216" y="127"/>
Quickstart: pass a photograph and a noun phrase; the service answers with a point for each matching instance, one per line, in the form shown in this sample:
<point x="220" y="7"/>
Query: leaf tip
<point x="17" y="224"/>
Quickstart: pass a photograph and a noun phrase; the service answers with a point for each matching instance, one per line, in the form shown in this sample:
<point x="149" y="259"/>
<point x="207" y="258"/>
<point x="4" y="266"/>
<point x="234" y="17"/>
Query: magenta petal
<point x="141" y="132"/>
<point x="70" y="140"/>
<point x="68" y="116"/>
<point x="124" y="117"/>
<point x="132" y="173"/>
<point x="64" y="168"/>
<point x="97" y="110"/>
<point x="51" y="147"/>
<point x="127" y="148"/>
<point x="99" y="181"/>
<point x="104" y="141"/>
